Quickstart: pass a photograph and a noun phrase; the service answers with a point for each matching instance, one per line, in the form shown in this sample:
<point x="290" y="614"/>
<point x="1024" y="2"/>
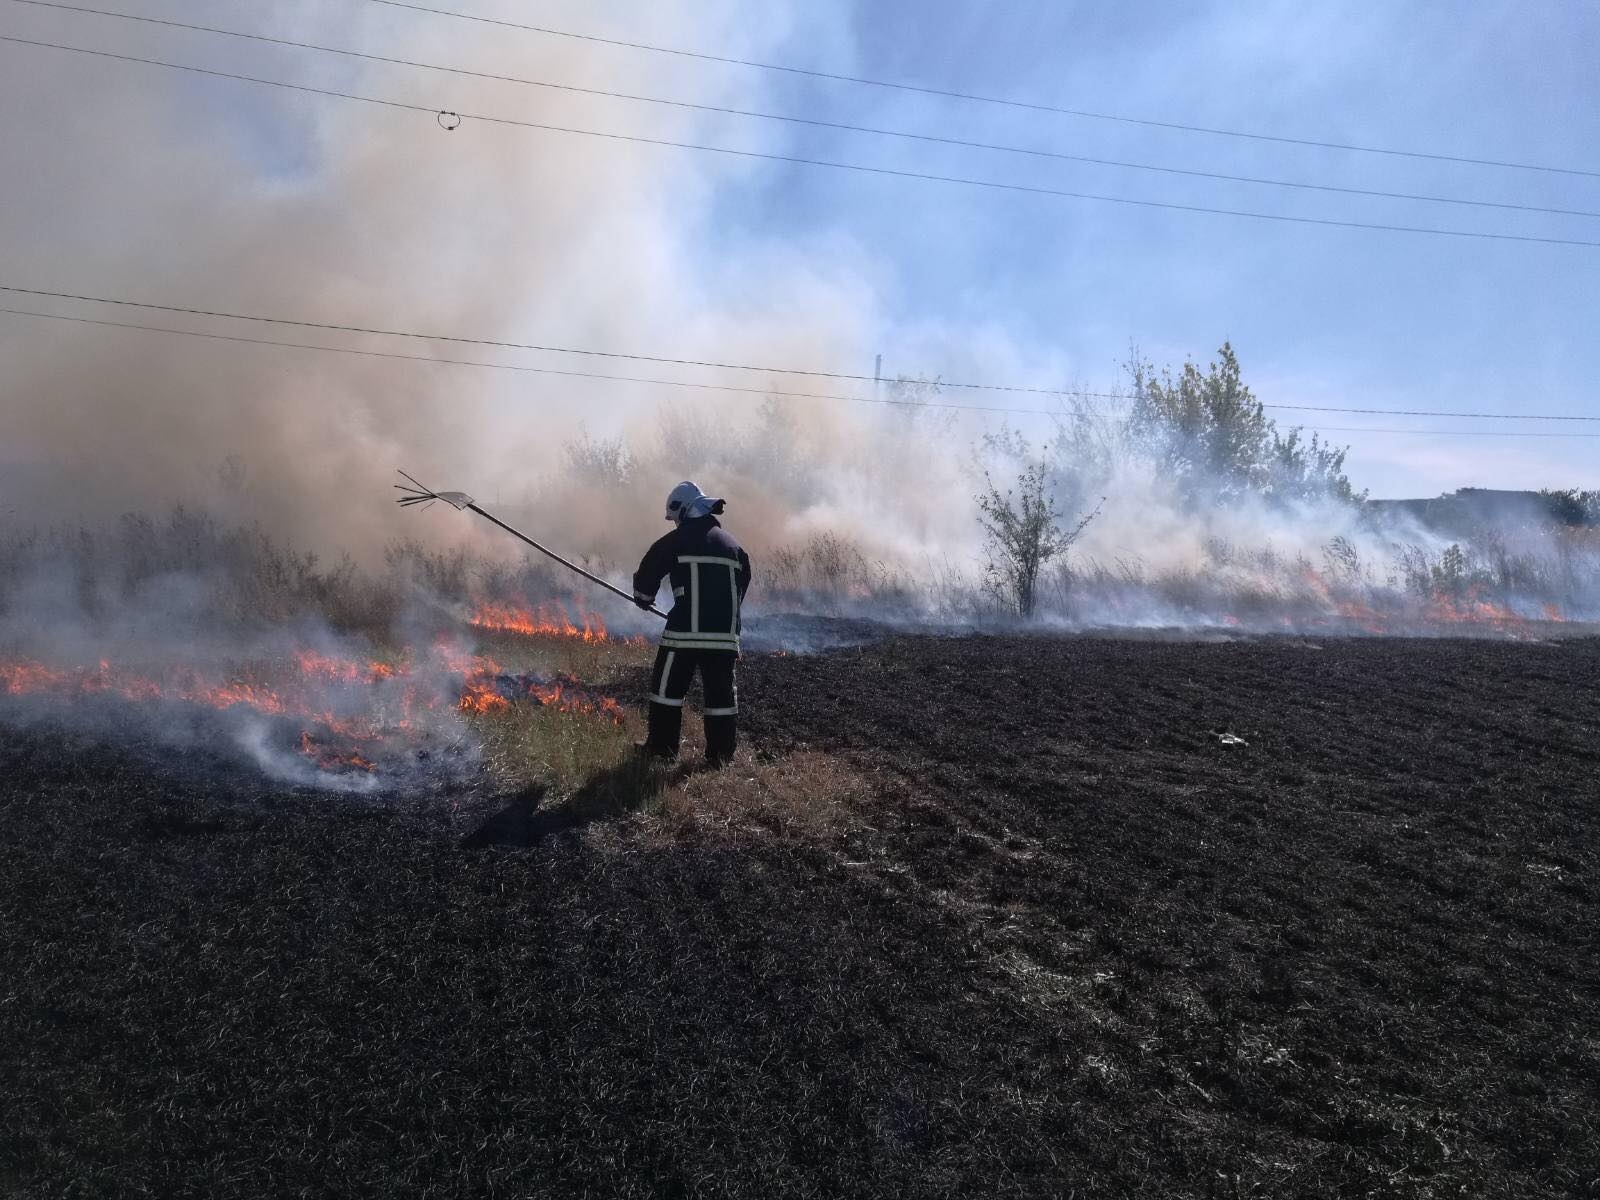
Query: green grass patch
<point x="529" y="744"/>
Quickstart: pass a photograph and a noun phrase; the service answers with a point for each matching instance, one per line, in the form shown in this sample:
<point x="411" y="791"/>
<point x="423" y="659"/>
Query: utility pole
<point x="877" y="377"/>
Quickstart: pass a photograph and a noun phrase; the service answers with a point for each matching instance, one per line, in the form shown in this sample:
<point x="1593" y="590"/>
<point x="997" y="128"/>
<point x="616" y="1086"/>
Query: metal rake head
<point x="418" y="493"/>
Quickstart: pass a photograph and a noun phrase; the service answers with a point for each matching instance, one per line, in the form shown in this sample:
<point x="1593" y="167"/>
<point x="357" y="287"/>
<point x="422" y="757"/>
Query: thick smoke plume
<point x="217" y="195"/>
<point x="177" y="504"/>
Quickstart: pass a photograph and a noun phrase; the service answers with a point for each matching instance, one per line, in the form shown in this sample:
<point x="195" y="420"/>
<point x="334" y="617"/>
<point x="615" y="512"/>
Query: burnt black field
<point x="1073" y="941"/>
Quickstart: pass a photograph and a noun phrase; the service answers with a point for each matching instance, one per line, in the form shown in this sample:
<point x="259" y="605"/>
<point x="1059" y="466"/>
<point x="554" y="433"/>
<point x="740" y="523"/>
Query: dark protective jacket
<point x="710" y="575"/>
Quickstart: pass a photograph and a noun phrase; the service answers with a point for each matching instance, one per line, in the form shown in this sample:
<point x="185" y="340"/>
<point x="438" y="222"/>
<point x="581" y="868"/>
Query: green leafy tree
<point x="1450" y="573"/>
<point x="1300" y="470"/>
<point x="1572" y="507"/>
<point x="1213" y="438"/>
<point x="1210" y="433"/>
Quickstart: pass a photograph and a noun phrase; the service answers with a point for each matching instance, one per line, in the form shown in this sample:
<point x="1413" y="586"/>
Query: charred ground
<point x="1058" y="935"/>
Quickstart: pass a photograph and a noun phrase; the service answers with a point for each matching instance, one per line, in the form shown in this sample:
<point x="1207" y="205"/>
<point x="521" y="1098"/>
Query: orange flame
<point x="479" y="696"/>
<point x="1439" y="612"/>
<point x="334" y="760"/>
<point x="341" y="670"/>
<point x="1470" y="608"/>
<point x="545" y="621"/>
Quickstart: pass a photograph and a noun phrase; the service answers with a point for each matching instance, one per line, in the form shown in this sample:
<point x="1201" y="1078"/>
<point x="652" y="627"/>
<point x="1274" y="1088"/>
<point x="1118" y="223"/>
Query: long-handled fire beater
<point x="416" y="493"/>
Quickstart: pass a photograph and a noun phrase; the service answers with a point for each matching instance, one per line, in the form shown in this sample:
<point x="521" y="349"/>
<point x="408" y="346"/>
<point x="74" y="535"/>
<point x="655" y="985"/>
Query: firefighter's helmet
<point x="687" y="500"/>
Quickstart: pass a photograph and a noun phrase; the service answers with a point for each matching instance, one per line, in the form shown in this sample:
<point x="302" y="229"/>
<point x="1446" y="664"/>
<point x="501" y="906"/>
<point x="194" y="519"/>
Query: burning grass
<point x="337" y="714"/>
<point x="564" y="746"/>
<point x="600" y="660"/>
<point x="544" y="621"/>
<point x="322" y="674"/>
<point x="190" y="575"/>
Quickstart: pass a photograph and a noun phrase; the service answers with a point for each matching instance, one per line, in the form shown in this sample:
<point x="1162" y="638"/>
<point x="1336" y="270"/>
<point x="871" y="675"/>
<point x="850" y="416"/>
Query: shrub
<point x="1024" y="535"/>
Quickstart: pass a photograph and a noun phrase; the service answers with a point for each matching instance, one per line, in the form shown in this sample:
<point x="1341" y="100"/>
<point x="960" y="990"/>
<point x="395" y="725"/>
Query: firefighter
<point x="710" y="574"/>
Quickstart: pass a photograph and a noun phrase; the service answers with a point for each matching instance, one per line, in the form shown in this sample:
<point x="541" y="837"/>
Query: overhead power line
<point x="508" y="345"/>
<point x="1450" y="432"/>
<point x="862" y="168"/>
<point x="835" y="375"/>
<point x="719" y="387"/>
<point x="842" y="126"/>
<point x="982" y="99"/>
<point x="556" y="371"/>
<point x="1429" y="412"/>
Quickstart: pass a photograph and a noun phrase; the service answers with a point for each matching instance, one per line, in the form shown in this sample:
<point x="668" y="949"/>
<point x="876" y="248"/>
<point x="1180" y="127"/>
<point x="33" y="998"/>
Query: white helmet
<point x="687" y="500"/>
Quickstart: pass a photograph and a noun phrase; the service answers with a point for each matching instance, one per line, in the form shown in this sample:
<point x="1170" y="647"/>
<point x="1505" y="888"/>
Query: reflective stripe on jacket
<point x="710" y="574"/>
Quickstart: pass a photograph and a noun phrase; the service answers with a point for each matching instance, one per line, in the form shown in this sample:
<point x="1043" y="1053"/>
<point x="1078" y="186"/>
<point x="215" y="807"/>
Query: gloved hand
<point x="641" y="605"/>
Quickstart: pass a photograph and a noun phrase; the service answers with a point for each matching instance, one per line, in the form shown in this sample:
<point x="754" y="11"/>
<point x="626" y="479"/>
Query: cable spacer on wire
<point x="448" y="120"/>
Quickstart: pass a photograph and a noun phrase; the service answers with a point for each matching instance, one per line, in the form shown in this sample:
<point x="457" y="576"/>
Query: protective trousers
<point x="670" y="678"/>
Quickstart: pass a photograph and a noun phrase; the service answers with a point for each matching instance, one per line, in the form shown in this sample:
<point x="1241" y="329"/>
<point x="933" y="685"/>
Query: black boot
<point x="666" y="728"/>
<point x="722" y="738"/>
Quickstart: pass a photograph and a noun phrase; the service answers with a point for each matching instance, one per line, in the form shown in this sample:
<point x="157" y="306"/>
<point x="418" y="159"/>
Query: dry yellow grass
<point x="589" y="769"/>
<point x="600" y="663"/>
<point x="587" y="763"/>
<point x="529" y="745"/>
<point x="804" y="794"/>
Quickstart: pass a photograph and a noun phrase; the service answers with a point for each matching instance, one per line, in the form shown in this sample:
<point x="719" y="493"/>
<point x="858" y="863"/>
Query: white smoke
<point x="129" y="181"/>
<point x="221" y="195"/>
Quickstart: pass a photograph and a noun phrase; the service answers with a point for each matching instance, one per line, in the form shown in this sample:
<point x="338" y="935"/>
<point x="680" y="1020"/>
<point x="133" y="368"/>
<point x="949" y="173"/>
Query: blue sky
<point x="1345" y="317"/>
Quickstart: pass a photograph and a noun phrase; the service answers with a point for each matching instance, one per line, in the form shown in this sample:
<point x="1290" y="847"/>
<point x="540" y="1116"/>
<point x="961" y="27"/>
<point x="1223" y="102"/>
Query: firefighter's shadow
<point x="531" y="816"/>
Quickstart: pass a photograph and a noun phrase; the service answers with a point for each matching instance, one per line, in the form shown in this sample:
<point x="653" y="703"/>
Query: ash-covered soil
<point x="1074" y="940"/>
